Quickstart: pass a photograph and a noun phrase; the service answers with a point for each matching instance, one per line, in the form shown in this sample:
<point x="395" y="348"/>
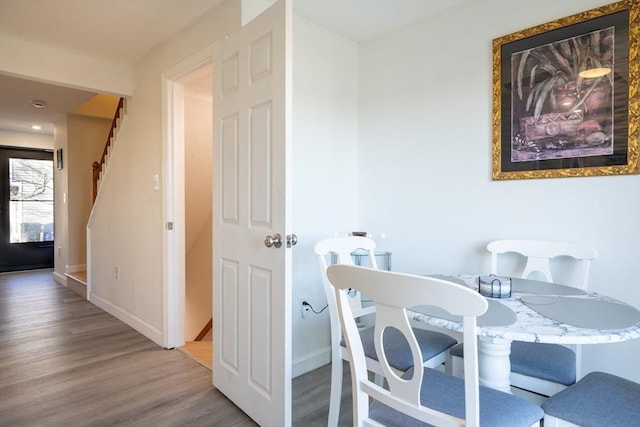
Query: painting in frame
<point x="59" y="158"/>
<point x="565" y="96"/>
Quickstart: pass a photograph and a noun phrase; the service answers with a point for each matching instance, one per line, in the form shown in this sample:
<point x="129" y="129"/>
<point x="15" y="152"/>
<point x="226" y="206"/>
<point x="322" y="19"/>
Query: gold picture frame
<point x="550" y="119"/>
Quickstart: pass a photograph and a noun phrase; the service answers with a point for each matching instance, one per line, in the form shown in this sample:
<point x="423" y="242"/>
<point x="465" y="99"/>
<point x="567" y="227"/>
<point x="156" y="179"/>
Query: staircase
<point x="77" y="280"/>
<point x="100" y="167"/>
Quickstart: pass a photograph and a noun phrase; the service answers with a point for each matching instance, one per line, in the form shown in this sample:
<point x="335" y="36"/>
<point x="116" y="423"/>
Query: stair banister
<point x="98" y="166"/>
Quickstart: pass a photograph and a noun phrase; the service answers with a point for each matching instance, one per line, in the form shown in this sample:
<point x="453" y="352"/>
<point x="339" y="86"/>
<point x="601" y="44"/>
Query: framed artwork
<point x="59" y="158"/>
<point x="565" y="96"/>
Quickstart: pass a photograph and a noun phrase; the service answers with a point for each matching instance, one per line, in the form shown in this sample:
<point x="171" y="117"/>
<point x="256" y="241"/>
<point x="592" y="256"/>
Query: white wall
<point x="425" y="162"/>
<point x="86" y="138"/>
<point x="325" y="117"/>
<point x="129" y="230"/>
<point x="26" y="139"/>
<point x="40" y="62"/>
<point x="61" y="217"/>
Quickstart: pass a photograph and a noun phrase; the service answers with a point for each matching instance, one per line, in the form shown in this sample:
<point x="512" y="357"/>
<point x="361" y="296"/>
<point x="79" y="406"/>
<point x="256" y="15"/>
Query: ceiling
<point x="124" y="31"/>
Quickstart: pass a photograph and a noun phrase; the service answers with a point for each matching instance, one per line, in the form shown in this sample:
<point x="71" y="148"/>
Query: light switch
<point x="156" y="183"/>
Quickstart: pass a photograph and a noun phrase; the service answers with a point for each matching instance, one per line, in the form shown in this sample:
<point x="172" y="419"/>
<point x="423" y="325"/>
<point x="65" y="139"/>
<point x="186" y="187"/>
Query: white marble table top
<point x="532" y="326"/>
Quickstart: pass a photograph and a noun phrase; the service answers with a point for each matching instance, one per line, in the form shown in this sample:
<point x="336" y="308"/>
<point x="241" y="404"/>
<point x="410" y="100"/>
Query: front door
<point x="26" y="209"/>
<point x="252" y="289"/>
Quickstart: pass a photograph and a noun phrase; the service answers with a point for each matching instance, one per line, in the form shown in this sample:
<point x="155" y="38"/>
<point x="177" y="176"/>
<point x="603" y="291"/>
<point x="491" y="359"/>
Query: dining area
<point x="494" y="349"/>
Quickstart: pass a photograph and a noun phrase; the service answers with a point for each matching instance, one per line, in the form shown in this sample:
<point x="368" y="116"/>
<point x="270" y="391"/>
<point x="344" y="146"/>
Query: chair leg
<point x="448" y="365"/>
<point x="335" y="395"/>
<point x="457" y="366"/>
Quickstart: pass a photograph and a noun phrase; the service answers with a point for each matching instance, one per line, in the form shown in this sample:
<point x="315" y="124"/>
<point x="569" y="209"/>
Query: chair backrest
<point x="540" y="252"/>
<point x="392" y="292"/>
<point x="342" y="247"/>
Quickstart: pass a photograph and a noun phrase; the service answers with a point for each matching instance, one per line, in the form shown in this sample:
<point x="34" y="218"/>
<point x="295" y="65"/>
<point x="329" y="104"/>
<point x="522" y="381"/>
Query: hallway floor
<point x="65" y="362"/>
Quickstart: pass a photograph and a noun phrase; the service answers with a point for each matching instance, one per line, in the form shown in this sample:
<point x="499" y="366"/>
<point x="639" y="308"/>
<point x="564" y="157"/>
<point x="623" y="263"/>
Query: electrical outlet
<point x="305" y="308"/>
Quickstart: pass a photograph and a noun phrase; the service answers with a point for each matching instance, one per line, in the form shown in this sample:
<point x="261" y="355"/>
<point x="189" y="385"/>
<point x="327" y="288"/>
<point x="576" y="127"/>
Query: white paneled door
<point x="252" y="282"/>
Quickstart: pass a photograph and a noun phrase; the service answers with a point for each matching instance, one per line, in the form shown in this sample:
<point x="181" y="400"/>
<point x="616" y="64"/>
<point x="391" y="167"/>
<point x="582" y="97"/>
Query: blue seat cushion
<point x="551" y="362"/>
<point x="445" y="393"/>
<point x="397" y="348"/>
<point x="598" y="399"/>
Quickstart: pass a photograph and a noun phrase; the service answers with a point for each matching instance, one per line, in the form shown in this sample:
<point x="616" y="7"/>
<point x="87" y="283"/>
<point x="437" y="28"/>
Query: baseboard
<point x="310" y="362"/>
<point x="60" y="278"/>
<point x="135" y="322"/>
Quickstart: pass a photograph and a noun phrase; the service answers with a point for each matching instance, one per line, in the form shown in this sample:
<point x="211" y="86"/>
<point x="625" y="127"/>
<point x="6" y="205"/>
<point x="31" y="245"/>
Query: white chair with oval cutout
<point x="421" y="395"/>
<point x="541" y="368"/>
<point x="434" y="345"/>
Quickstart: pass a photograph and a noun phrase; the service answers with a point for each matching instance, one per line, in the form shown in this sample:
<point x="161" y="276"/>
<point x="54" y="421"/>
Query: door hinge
<point x="170" y="226"/>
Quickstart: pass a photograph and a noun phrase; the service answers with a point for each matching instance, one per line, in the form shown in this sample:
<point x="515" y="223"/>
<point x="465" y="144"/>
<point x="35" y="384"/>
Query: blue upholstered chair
<point x="434" y="345"/>
<point x="422" y="395"/>
<point x="598" y="399"/>
<point x="541" y="368"/>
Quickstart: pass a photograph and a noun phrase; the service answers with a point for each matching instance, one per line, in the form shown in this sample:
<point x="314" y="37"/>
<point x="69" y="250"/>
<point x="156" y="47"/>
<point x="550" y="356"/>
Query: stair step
<point x="77" y="282"/>
<point x="200" y="351"/>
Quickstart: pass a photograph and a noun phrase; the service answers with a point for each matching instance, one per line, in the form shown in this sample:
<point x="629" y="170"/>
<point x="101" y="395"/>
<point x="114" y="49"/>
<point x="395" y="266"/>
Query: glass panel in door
<point x="30" y="200"/>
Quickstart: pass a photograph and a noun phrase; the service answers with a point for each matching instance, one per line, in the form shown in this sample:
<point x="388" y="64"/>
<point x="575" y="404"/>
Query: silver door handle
<point x="275" y="240"/>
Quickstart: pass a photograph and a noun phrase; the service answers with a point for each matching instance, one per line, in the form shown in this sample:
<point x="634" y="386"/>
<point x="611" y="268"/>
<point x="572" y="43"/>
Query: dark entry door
<point x="26" y="209"/>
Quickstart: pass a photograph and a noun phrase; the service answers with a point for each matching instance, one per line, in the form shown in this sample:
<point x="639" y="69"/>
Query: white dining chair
<point x="421" y="395"/>
<point x="434" y="345"/>
<point x="539" y="367"/>
<point x="598" y="399"/>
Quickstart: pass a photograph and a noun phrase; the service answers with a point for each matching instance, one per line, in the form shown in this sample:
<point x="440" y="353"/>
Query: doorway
<point x="26" y="209"/>
<point x="198" y="195"/>
<point x="188" y="188"/>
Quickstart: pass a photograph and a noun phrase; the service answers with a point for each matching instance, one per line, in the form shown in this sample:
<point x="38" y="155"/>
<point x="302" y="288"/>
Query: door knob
<point x="275" y="240"/>
<point x="292" y="239"/>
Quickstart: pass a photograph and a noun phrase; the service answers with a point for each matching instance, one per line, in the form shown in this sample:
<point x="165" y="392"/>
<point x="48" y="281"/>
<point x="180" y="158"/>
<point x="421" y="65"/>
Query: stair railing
<point x="203" y="333"/>
<point x="99" y="166"/>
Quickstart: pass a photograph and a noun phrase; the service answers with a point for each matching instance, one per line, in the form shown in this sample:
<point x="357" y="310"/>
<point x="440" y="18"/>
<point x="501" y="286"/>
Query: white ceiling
<point x="18" y="114"/>
<point x="124" y="31"/>
<point x="363" y="20"/>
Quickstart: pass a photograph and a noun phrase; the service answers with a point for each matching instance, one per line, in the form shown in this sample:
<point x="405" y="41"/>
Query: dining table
<point x="535" y="311"/>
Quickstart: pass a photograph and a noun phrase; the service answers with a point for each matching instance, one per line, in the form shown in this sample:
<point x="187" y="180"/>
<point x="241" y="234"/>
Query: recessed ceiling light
<point x="38" y="103"/>
<point x="36" y="127"/>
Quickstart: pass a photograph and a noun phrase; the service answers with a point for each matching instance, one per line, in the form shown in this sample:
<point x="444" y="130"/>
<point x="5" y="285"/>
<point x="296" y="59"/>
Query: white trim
<point x="135" y="322"/>
<point x="173" y="195"/>
<point x="310" y="362"/>
<point x="88" y="232"/>
<point x="60" y="278"/>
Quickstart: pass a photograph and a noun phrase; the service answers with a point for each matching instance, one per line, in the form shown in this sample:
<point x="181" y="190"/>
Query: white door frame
<point x="173" y="180"/>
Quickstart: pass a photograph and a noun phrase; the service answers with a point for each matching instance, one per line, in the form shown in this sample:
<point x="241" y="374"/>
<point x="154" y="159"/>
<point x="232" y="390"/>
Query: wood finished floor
<point x="65" y="362"/>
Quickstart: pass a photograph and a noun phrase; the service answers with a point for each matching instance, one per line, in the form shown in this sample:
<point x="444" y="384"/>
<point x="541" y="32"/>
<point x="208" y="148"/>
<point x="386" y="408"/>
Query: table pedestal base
<point x="494" y="366"/>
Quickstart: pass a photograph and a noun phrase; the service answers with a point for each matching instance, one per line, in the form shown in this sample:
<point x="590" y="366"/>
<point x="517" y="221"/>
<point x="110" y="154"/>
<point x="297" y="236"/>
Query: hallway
<point x="65" y="362"/>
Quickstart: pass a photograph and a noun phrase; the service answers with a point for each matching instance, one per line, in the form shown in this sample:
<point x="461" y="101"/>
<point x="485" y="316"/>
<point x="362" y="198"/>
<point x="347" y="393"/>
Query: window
<point x="30" y="200"/>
